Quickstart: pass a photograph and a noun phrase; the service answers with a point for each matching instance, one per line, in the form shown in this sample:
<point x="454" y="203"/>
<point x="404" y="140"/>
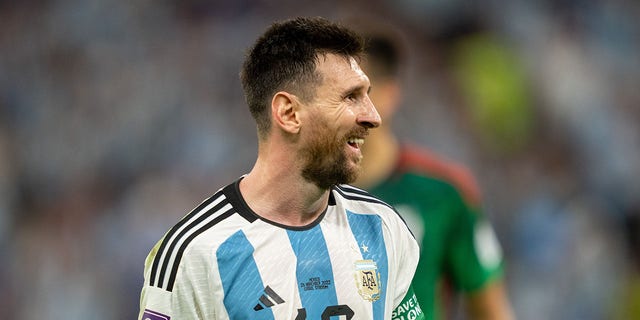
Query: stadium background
<point x="117" y="117"/>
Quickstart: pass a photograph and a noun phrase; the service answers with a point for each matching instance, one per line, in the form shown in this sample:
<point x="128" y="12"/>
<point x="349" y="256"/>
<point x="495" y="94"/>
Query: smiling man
<point x="290" y="239"/>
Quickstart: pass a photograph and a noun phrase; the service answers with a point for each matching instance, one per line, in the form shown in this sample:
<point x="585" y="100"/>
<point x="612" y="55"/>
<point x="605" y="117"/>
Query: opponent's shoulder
<point x="421" y="161"/>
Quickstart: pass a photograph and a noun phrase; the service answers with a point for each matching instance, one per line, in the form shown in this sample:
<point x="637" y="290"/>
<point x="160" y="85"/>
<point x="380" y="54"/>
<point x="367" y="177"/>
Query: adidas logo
<point x="265" y="302"/>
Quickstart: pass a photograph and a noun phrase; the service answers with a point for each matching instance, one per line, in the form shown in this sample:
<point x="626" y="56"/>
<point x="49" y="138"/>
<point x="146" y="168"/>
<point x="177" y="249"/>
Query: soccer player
<point x="438" y="199"/>
<point x="290" y="240"/>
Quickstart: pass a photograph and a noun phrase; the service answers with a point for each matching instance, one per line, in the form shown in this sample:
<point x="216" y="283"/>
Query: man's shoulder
<point x="222" y="213"/>
<point x="194" y="236"/>
<point x="351" y="195"/>
<point x="420" y="161"/>
<point x="357" y="201"/>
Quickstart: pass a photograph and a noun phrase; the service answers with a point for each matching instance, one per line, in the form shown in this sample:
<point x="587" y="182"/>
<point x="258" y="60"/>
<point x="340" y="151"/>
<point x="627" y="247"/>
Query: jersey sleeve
<point x="188" y="297"/>
<point x="406" y="253"/>
<point x="474" y="255"/>
<point x="409" y="308"/>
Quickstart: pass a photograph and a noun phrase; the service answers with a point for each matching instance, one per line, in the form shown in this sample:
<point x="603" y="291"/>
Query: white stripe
<point x="274" y="257"/>
<point x="175" y="234"/>
<point x="351" y="193"/>
<point x="174" y="253"/>
<point x="348" y="186"/>
<point x="344" y="252"/>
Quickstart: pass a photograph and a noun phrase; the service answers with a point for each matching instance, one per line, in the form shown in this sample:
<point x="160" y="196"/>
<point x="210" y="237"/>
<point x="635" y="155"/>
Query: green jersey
<point x="440" y="202"/>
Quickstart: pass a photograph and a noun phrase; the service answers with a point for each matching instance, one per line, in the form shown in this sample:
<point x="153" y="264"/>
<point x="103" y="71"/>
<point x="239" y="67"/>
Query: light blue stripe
<point x="313" y="271"/>
<point x="241" y="279"/>
<point x="367" y="229"/>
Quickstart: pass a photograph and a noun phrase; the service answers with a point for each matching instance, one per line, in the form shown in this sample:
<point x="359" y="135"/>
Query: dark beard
<point x="325" y="162"/>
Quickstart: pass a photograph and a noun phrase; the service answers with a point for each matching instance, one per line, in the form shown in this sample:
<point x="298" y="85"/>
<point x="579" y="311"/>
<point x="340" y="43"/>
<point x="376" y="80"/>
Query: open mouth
<point x="355" y="142"/>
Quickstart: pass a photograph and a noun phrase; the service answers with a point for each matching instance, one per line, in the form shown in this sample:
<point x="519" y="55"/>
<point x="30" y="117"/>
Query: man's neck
<point x="275" y="190"/>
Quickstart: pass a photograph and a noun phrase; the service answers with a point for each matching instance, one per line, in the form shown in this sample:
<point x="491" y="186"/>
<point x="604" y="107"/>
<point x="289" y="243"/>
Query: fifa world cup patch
<point x="152" y="315"/>
<point x="367" y="279"/>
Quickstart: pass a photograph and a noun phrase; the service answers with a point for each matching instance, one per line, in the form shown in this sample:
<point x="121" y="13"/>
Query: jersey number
<point x="330" y="311"/>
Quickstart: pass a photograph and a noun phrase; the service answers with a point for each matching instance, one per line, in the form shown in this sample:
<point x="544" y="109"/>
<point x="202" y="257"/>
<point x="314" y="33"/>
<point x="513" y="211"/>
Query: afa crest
<point x="367" y="279"/>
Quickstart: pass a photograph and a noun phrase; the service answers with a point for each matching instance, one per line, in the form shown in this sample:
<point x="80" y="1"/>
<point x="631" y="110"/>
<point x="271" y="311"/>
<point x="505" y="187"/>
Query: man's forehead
<point x="339" y="66"/>
<point x="356" y="67"/>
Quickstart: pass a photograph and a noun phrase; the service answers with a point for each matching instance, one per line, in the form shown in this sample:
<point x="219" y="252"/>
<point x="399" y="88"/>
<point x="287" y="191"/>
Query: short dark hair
<point x="285" y="58"/>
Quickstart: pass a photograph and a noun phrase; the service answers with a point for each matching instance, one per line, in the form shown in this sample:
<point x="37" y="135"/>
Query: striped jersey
<point x="223" y="261"/>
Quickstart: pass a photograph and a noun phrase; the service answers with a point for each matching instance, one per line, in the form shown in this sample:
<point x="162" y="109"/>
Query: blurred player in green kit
<point x="439" y="200"/>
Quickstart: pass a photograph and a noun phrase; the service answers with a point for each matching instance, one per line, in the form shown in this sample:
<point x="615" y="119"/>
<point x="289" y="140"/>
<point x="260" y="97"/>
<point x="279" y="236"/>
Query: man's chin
<point x="353" y="174"/>
<point x="325" y="183"/>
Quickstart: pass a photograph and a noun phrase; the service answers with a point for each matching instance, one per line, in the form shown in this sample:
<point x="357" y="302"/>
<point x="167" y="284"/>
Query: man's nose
<point x="369" y="116"/>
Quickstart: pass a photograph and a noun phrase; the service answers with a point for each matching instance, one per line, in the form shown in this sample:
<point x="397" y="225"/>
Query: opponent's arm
<point x="489" y="303"/>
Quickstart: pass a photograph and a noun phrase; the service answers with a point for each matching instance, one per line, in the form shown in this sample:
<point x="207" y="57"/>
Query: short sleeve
<point x="406" y="253"/>
<point x="474" y="256"/>
<point x="189" y="296"/>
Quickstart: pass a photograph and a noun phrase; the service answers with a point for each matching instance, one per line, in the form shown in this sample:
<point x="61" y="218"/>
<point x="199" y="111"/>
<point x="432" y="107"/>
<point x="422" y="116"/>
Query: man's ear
<point x="284" y="108"/>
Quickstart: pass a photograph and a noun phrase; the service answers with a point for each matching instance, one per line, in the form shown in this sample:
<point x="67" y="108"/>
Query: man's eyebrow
<point x="356" y="88"/>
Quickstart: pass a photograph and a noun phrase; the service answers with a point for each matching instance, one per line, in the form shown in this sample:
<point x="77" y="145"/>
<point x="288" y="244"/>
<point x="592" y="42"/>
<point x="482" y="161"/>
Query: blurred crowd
<point x="118" y="117"/>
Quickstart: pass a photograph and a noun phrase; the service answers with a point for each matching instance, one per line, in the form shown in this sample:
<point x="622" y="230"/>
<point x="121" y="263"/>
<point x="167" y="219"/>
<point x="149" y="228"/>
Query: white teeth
<point x="356" y="141"/>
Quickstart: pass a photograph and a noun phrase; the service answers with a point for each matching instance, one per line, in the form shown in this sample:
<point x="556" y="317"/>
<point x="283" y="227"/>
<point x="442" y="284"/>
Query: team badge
<point x="367" y="279"/>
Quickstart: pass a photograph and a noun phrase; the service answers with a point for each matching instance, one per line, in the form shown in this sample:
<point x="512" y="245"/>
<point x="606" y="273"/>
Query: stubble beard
<point x="325" y="161"/>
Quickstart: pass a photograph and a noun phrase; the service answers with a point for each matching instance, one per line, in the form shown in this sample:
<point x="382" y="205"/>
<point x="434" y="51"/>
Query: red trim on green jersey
<point x="415" y="158"/>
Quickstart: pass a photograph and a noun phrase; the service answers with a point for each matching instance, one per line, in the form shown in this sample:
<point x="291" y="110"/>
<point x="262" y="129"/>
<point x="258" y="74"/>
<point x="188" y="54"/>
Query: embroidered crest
<point x="367" y="279"/>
